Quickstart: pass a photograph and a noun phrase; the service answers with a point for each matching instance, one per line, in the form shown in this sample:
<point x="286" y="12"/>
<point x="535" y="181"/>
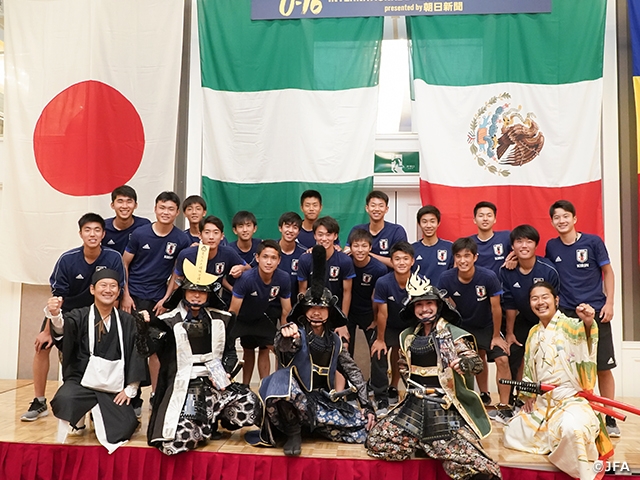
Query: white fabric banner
<point x="476" y="117"/>
<point x="91" y="103"/>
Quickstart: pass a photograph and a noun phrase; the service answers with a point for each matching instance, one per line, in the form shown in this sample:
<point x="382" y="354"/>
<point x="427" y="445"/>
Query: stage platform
<point x="29" y="451"/>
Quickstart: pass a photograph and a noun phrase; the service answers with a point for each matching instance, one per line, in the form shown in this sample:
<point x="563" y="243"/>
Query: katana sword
<point x="541" y="388"/>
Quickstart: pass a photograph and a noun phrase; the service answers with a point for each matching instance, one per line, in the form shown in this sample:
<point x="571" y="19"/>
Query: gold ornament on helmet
<point x="197" y="274"/>
<point x="417" y="285"/>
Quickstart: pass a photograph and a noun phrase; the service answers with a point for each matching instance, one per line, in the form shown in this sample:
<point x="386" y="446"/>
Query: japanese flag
<point x="91" y="103"/>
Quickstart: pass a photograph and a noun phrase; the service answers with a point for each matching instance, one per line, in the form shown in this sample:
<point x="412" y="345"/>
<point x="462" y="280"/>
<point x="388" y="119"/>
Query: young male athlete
<point x="244" y="226"/>
<point x="586" y="276"/>
<point x="253" y="293"/>
<point x="71" y="281"/>
<point x="384" y="234"/>
<point x="118" y="229"/>
<point x="433" y="254"/>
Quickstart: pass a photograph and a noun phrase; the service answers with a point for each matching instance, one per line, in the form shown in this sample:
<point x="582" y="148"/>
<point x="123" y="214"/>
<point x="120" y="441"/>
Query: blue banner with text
<point x="294" y="9"/>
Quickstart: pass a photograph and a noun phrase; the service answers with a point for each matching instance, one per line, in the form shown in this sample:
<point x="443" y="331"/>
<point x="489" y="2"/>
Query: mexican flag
<point x="509" y="110"/>
<point x="289" y="105"/>
<point x="91" y="103"/>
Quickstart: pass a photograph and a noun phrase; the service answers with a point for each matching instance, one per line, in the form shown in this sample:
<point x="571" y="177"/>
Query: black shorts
<point x="483" y="338"/>
<point x="251" y="342"/>
<point x="392" y="336"/>
<point x="606" y="354"/>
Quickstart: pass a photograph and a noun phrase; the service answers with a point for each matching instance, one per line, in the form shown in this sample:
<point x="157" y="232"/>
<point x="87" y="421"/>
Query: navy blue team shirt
<point x="257" y="296"/>
<point x="472" y="299"/>
<point x="580" y="268"/>
<point x="118" y="239"/>
<point x="289" y="264"/>
<point x="516" y="286"/>
<point x="363" y="285"/>
<point x="492" y="252"/>
<point x="339" y="268"/>
<point x="249" y="256"/>
<point x="388" y="291"/>
<point x="390" y="234"/>
<point x="72" y="274"/>
<point x="153" y="261"/>
<point x="433" y="260"/>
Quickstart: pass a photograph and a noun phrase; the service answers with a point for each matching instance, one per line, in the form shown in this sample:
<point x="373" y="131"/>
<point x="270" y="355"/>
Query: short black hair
<point x="212" y="219"/>
<point x="268" y="244"/>
<point x="360" y="234"/>
<point x="124" y="191"/>
<point x="428" y="209"/>
<point x="485" y="204"/>
<point x="243" y="216"/>
<point x="377" y="194"/>
<point x="330" y="223"/>
<point x="90" y="218"/>
<point x="310" y="194"/>
<point x="190" y="200"/>
<point x="563" y="204"/>
<point x="464" y="243"/>
<point x="402" y="246"/>
<point x="524" y="231"/>
<point x="168" y="197"/>
<point x="544" y="284"/>
<point x="290" y="218"/>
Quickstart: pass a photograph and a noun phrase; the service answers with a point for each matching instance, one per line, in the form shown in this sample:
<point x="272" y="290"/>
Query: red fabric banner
<point x="44" y="462"/>
<point x="517" y="205"/>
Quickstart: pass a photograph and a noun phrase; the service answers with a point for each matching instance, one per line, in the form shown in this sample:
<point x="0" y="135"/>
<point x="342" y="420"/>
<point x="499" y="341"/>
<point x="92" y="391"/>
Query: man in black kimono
<point x="100" y="365"/>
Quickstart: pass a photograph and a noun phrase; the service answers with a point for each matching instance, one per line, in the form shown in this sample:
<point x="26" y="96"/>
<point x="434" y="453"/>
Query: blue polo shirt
<point x="388" y="291"/>
<point x="433" y="260"/>
<point x="289" y="264"/>
<point x="493" y="252"/>
<point x="390" y="234"/>
<point x="363" y="286"/>
<point x="257" y="296"/>
<point x="580" y="268"/>
<point x="153" y="261"/>
<point x="71" y="276"/>
<point x="472" y="299"/>
<point x="516" y="286"/>
<point x="339" y="268"/>
<point x="118" y="239"/>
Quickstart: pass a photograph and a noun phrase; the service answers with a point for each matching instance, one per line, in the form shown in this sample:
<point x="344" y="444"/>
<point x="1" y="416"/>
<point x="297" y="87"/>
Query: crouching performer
<point x="441" y="414"/>
<point x="194" y="390"/>
<point x="101" y="368"/>
<point x="301" y="393"/>
<point x="561" y="351"/>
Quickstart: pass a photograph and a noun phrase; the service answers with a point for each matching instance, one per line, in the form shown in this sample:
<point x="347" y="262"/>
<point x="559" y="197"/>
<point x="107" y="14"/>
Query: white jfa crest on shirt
<point x="170" y="248"/>
<point x="294" y="264"/>
<point x="334" y="271"/>
<point x="481" y="291"/>
<point x="442" y="255"/>
<point x="582" y="255"/>
<point x="384" y="243"/>
<point x="367" y="277"/>
<point x="219" y="268"/>
<point x="498" y="249"/>
<point x="274" y="291"/>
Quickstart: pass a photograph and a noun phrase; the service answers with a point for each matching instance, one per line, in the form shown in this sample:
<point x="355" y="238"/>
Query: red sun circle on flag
<point x="88" y="140"/>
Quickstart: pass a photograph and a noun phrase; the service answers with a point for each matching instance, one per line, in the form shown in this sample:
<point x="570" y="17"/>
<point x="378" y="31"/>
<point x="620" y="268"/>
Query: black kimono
<point x="113" y="423"/>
